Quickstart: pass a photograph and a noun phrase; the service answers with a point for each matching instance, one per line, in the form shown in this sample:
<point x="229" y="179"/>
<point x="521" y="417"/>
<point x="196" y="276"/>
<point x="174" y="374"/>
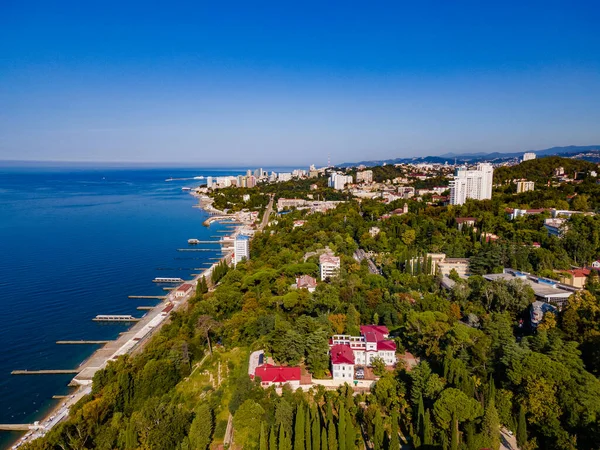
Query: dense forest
<point x="480" y="367"/>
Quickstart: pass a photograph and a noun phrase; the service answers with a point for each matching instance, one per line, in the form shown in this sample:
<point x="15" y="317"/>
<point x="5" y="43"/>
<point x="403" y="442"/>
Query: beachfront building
<point x="183" y="290"/>
<point x="475" y="184"/>
<point x="241" y="249"/>
<point x="524" y="186"/>
<point x="347" y="351"/>
<point x="329" y="266"/>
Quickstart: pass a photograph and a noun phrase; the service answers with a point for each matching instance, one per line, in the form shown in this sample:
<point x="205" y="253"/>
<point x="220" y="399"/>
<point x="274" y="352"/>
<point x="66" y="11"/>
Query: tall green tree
<point x="342" y="427"/>
<point x="454" y="433"/>
<point x="263" y="437"/>
<point x="201" y="428"/>
<point x="491" y="426"/>
<point x="307" y="426"/>
<point x="272" y="439"/>
<point x="427" y="429"/>
<point x="521" y="428"/>
<point x="394" y="440"/>
<point x="299" y="428"/>
<point x="316" y="429"/>
<point x="331" y="438"/>
<point x="324" y="439"/>
<point x="378" y="433"/>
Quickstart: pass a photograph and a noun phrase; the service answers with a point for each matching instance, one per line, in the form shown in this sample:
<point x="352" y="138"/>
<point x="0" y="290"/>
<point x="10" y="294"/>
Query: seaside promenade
<point x="131" y="341"/>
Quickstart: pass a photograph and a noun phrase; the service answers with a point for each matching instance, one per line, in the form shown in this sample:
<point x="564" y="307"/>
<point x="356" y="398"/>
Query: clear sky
<point x="257" y="82"/>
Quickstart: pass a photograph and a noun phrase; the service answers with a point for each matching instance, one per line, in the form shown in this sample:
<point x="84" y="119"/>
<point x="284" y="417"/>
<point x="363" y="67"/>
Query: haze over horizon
<point x="272" y="84"/>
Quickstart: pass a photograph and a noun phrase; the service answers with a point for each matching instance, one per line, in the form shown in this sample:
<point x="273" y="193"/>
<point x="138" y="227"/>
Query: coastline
<point x="131" y="341"/>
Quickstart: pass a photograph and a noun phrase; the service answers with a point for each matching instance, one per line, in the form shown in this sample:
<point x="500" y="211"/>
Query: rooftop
<point x="277" y="374"/>
<point x="541" y="286"/>
<point x="342" y="354"/>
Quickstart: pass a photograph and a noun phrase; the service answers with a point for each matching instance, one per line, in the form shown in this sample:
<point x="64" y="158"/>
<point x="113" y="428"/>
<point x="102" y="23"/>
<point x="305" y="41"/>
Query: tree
<point x="316" y="429"/>
<point x="285" y="442"/>
<point x="378" y="433"/>
<point x="263" y="437"/>
<point x="427" y="430"/>
<point x="331" y="438"/>
<point x="350" y="434"/>
<point x="299" y="428"/>
<point x="205" y="324"/>
<point x="352" y="321"/>
<point x="491" y="426"/>
<point x="202" y="427"/>
<point x="394" y="440"/>
<point x="454" y="407"/>
<point x="307" y="424"/>
<point x="247" y="420"/>
<point x="324" y="439"/>
<point x="342" y="427"/>
<point x="521" y="428"/>
<point x="378" y="366"/>
<point x="454" y="434"/>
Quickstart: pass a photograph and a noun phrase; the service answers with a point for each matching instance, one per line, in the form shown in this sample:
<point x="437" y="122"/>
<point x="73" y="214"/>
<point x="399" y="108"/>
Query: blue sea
<point x="74" y="243"/>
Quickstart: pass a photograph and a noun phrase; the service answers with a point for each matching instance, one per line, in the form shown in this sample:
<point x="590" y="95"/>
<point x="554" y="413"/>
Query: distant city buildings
<point x="366" y="176"/>
<point x="524" y="186"/>
<point x="475" y="184"/>
<point x="241" y="249"/>
<point x="329" y="266"/>
<point x="339" y="181"/>
<point x="528" y="156"/>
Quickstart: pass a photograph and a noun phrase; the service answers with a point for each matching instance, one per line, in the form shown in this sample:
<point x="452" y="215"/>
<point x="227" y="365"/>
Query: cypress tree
<point x="281" y="439"/>
<point x="316" y="429"/>
<point x="131" y="436"/>
<point x="378" y="433"/>
<point x="491" y="391"/>
<point x="324" y="439"/>
<point x="342" y="428"/>
<point x="201" y="429"/>
<point x="394" y="440"/>
<point x="272" y="439"/>
<point x="491" y="426"/>
<point x="307" y="437"/>
<point x="299" y="429"/>
<point x="350" y="434"/>
<point x="263" y="437"/>
<point x="521" y="428"/>
<point x="454" y="436"/>
<point x="427" y="431"/>
<point x="420" y="414"/>
<point x="331" y="439"/>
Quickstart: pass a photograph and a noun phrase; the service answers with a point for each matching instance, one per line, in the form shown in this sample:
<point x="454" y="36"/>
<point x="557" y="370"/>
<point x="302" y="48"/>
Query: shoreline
<point x="129" y="342"/>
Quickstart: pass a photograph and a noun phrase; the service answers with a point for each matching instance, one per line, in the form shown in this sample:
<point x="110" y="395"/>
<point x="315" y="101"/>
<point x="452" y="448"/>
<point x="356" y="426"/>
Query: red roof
<point x="185" y="287"/>
<point x="374" y="333"/>
<point x="579" y="273"/>
<point x="342" y="354"/>
<point x="465" y="219"/>
<point x="306" y="281"/>
<point x="386" y="345"/>
<point x="277" y="374"/>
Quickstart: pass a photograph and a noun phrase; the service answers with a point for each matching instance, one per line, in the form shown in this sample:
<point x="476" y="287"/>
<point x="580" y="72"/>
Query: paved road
<point x="268" y="212"/>
<point x="507" y="442"/>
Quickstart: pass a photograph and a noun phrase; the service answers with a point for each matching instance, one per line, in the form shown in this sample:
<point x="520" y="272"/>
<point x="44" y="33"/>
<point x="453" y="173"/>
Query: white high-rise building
<point x="209" y="181"/>
<point x="284" y="176"/>
<point x="241" y="249"/>
<point x="476" y="184"/>
<point x="329" y="266"/>
<point x="524" y="186"/>
<point x="528" y="156"/>
<point x="339" y="181"/>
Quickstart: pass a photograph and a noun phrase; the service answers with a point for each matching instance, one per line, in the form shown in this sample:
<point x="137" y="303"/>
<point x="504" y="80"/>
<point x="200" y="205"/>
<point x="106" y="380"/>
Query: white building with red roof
<point x="342" y="362"/>
<point x="306" y="282"/>
<point x="278" y="375"/>
<point x="372" y="343"/>
<point x="329" y="266"/>
<point x="183" y="290"/>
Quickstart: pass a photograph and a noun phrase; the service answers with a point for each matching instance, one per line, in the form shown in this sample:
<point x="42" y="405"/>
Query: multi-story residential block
<point x="329" y="266"/>
<point x="339" y="181"/>
<point x="241" y="249"/>
<point x="528" y="156"/>
<point x="366" y="176"/>
<point x="476" y="184"/>
<point x="524" y="186"/>
<point x="347" y="351"/>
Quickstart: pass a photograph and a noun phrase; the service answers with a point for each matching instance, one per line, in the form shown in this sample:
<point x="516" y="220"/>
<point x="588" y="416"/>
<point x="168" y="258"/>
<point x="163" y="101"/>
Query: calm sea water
<point x="75" y="243"/>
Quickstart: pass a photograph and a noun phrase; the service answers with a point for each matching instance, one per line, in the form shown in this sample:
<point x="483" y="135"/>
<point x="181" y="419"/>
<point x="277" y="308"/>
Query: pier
<point x="167" y="280"/>
<point x="195" y="249"/>
<point x="45" y="372"/>
<point x="59" y="397"/>
<point x="158" y="297"/>
<point x="115" y="318"/>
<point x="82" y="342"/>
<point x="16" y="426"/>
<point x="145" y="308"/>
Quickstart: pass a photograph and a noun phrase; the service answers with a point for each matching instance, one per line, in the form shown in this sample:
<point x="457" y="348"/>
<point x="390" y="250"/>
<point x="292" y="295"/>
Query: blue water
<point x="75" y="243"/>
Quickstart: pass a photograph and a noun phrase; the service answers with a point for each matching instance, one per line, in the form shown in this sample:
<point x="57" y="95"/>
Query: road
<point x="268" y="212"/>
<point x="507" y="442"/>
<point x="360" y="254"/>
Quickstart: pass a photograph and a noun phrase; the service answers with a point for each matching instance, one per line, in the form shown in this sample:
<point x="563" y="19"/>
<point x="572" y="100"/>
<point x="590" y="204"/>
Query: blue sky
<point x="290" y="83"/>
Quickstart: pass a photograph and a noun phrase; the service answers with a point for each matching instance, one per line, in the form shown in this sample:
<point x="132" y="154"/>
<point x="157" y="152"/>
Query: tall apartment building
<point x="366" y="176"/>
<point x="524" y="186"/>
<point x="339" y="181"/>
<point x="241" y="249"/>
<point x="476" y="184"/>
<point x="528" y="156"/>
<point x="209" y="181"/>
<point x="329" y="265"/>
<point x="250" y="181"/>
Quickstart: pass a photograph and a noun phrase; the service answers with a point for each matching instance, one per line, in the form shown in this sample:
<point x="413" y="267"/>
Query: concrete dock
<point x="158" y="297"/>
<point x="45" y="372"/>
<point x="81" y="342"/>
<point x="16" y="426"/>
<point x="115" y="318"/>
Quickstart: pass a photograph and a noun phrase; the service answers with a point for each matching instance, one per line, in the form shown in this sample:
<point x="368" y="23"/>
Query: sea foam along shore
<point x="132" y="340"/>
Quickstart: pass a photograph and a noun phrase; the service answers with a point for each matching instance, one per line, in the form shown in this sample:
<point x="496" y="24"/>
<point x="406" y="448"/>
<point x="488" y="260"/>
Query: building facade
<point x="339" y="181"/>
<point x="528" y="156"/>
<point x="524" y="186"/>
<point x="241" y="249"/>
<point x="329" y="266"/>
<point x="366" y="176"/>
<point x="475" y="184"/>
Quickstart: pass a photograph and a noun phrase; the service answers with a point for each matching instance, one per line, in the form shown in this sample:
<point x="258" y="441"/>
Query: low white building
<point x="372" y="343"/>
<point x="528" y="156"/>
<point x="183" y="290"/>
<point x="329" y="266"/>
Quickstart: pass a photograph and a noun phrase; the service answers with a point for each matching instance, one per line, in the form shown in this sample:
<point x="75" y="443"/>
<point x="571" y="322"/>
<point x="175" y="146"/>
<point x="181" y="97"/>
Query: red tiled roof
<point x="579" y="273"/>
<point x="277" y="374"/>
<point x="374" y="333"/>
<point x="465" y="219"/>
<point x="306" y="281"/>
<point x="184" y="287"/>
<point x="386" y="345"/>
<point x="329" y="258"/>
<point x="342" y="354"/>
